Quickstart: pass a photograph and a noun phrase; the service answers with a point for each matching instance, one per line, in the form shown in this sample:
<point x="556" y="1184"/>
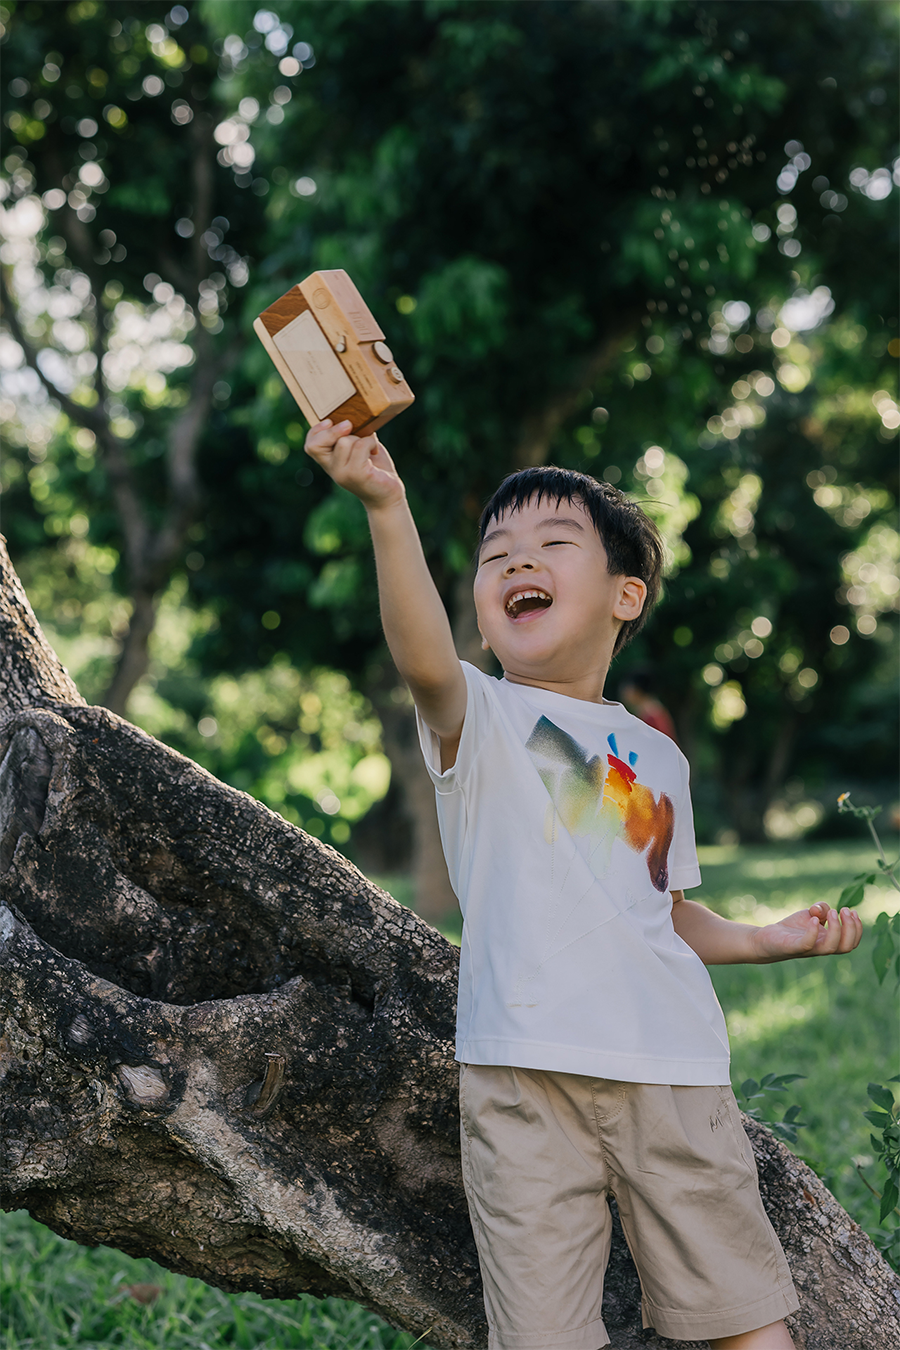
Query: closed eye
<point x="552" y="542"/>
<point x="493" y="558"/>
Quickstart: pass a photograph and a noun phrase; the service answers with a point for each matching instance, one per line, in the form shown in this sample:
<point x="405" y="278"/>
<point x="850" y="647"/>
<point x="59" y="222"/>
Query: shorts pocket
<point x="732" y="1113"/>
<point x="466" y="1112"/>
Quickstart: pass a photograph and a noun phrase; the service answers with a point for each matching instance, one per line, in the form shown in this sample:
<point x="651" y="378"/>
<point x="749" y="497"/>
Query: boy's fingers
<point x="851" y="930"/>
<point x="357" y="450"/>
<point x="349" y="448"/>
<point x="844" y="931"/>
<point x="349" y="461"/>
<point x="815" y="937"/>
<point x="324" y="436"/>
<point x="833" y="933"/>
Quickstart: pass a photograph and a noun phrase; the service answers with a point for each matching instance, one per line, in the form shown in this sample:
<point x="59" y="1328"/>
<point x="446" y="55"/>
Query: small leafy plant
<point x="886" y="1144"/>
<point x="886" y="955"/>
<point x="750" y="1091"/>
<point x="885" y="958"/>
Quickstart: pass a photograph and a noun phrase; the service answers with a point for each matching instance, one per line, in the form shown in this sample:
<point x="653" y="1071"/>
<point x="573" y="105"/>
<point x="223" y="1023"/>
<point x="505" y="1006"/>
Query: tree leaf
<point x="882" y="1096"/>
<point x="851" y="895"/>
<point x="889" y="1198"/>
<point x="883" y="953"/>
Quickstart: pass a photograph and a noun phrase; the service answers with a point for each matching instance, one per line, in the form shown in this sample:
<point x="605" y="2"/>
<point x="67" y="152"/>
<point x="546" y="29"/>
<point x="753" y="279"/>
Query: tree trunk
<point x="226" y="1049"/>
<point x="433" y="895"/>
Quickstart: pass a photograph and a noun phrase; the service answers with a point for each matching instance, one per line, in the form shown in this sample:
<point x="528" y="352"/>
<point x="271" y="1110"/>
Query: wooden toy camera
<point x="332" y="355"/>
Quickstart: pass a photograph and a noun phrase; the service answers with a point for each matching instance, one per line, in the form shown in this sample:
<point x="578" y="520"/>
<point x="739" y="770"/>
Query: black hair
<point x="633" y="544"/>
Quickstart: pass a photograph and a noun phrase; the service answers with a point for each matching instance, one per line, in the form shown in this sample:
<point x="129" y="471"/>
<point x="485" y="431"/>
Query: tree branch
<point x="226" y="1049"/>
<point x="128" y="507"/>
<point x="31" y="674"/>
<point x="84" y="417"/>
<point x="185" y="434"/>
<point x="541" y="425"/>
<point x="184" y="438"/>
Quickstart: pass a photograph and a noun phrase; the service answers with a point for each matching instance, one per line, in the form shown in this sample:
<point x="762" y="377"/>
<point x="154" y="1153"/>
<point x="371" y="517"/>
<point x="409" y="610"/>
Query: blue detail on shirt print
<point x="604" y="801"/>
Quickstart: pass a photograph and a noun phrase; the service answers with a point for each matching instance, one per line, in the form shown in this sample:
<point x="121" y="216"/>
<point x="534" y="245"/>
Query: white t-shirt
<point x="565" y="824"/>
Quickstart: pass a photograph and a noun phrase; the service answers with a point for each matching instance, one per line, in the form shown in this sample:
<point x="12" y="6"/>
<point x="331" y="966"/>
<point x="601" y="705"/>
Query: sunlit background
<point x="656" y="242"/>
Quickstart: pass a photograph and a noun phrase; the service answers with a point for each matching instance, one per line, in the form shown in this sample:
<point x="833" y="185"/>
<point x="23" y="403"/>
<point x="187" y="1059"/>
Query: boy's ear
<point x="485" y="645"/>
<point x="632" y="594"/>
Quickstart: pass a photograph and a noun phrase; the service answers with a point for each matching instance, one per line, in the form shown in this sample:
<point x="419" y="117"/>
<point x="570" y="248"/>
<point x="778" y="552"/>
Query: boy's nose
<point x="518" y="565"/>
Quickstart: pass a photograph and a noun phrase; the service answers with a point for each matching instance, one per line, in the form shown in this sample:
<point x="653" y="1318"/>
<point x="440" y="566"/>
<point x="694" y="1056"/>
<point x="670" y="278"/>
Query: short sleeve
<point x="479" y="709"/>
<point x="684" y="869"/>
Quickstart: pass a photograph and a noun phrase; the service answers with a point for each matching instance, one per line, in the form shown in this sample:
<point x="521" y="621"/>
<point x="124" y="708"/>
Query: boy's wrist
<point x="386" y="507"/>
<point x="756" y="955"/>
<point x="390" y="519"/>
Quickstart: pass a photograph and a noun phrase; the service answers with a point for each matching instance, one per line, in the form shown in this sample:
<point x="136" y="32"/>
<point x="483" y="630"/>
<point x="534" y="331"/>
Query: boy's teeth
<point x="515" y="602"/>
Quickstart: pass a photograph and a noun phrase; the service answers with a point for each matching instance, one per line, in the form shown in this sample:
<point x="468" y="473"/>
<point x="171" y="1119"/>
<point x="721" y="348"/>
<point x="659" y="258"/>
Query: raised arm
<point x="414" y="619"/>
<point x="817" y="931"/>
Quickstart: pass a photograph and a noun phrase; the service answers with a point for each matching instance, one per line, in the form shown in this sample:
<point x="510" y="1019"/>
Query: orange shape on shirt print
<point x="647" y="823"/>
<point x="596" y="800"/>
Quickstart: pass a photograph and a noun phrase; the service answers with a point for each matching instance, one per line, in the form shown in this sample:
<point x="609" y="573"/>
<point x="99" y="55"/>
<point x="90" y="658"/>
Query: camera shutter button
<point x="395" y="374"/>
<point x="383" y="352"/>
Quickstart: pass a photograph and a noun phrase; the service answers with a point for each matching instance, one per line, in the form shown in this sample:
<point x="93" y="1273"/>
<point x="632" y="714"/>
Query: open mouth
<point x="524" y="601"/>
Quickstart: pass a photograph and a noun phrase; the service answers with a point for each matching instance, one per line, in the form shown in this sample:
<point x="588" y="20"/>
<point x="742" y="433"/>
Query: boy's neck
<point x="588" y="688"/>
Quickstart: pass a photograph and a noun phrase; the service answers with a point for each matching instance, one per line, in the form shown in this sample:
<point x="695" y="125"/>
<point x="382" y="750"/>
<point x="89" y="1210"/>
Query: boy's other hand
<point x="358" y="463"/>
<point x="817" y="931"/>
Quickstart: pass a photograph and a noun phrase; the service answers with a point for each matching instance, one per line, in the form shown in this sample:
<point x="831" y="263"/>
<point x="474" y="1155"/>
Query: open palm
<point x="817" y="931"/>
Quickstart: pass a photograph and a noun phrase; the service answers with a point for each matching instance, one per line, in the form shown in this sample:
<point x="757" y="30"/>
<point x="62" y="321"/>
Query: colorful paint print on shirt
<point x="603" y="800"/>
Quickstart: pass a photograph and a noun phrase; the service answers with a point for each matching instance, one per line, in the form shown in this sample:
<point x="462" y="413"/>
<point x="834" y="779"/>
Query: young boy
<point x="594" y="1057"/>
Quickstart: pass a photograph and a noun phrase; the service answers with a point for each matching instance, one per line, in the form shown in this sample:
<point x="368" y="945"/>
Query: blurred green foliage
<point x="656" y="242"/>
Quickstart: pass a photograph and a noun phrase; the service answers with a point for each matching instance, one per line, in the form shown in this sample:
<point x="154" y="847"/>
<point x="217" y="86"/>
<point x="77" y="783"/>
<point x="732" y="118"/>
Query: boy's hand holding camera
<point x="358" y="463"/>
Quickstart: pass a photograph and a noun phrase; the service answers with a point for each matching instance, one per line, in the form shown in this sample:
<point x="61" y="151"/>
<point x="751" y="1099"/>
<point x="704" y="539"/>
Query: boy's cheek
<point x="480" y="605"/>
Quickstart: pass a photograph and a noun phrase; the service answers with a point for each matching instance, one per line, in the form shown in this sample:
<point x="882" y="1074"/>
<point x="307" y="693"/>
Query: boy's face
<point x="546" y="603"/>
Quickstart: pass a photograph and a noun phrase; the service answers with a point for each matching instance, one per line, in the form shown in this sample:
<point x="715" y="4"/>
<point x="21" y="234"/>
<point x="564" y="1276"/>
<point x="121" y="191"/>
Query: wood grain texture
<point x="342" y="315"/>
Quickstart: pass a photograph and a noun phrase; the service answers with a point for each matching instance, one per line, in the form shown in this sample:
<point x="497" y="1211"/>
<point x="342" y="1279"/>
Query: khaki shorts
<point x="541" y="1151"/>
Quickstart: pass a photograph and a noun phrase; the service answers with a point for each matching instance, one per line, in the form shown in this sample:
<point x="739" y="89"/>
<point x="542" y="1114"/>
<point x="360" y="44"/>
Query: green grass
<point x="827" y="1019"/>
<point x="57" y="1295"/>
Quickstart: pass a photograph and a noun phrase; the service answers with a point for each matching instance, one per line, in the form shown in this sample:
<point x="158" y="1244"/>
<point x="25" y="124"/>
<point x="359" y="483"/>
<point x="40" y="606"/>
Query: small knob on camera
<point x="396" y="374"/>
<point x="383" y="352"/>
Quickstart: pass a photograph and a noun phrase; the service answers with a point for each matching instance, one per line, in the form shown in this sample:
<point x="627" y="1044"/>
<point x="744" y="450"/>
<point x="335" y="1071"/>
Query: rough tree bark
<point x="224" y="1048"/>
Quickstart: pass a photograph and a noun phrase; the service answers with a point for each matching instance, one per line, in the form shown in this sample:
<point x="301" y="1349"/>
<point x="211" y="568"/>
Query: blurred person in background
<point x="637" y="692"/>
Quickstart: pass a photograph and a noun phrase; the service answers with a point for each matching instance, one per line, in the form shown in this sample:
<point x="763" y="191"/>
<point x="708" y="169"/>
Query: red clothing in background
<point x="658" y="717"/>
